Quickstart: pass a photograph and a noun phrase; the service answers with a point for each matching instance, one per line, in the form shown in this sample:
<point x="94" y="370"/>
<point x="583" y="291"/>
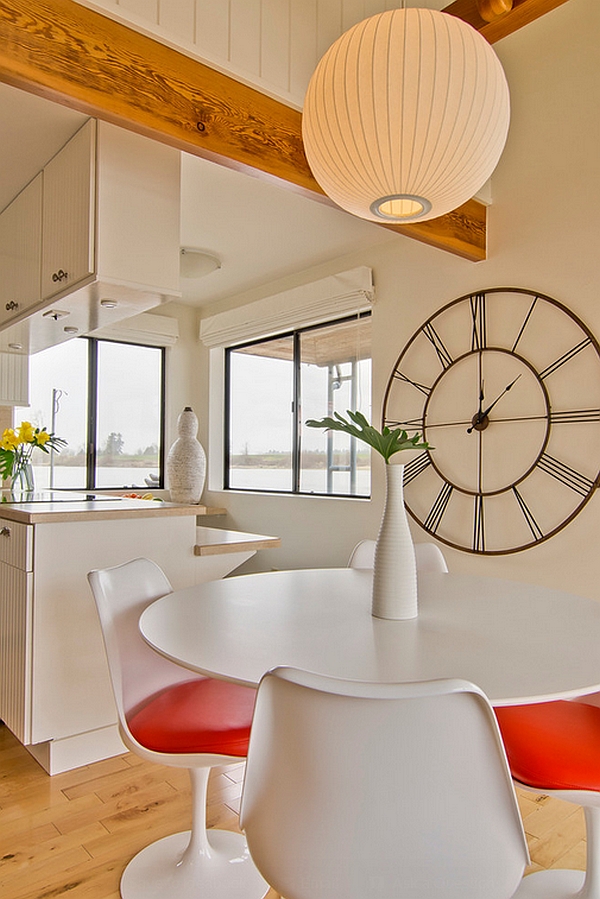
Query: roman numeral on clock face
<point x="479" y="524"/>
<point x="573" y="416"/>
<point x="442" y="352"/>
<point x="528" y="515"/>
<point x="568" y="476"/>
<point x="436" y="513"/>
<point x="554" y="366"/>
<point x="400" y="376"/>
<point x="416" y="466"/>
<point x="478" y="316"/>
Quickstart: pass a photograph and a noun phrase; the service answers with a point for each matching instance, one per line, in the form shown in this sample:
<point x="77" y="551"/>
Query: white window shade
<point x="145" y="328"/>
<point x="337" y="295"/>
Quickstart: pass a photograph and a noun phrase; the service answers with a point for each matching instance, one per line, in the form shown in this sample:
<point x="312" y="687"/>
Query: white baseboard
<point x="56" y="756"/>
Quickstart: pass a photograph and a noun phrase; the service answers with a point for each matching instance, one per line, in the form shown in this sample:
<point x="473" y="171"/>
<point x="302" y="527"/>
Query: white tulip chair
<point x="170" y="716"/>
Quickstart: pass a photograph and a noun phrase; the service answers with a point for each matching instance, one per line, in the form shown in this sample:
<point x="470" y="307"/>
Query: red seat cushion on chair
<point x="553" y="745"/>
<point x="202" y="715"/>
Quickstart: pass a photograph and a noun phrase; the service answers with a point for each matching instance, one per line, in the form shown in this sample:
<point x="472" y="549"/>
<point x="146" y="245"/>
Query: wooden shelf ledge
<point x="215" y="541"/>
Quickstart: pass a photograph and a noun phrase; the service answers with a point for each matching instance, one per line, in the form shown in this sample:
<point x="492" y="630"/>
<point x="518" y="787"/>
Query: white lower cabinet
<point x="55" y="692"/>
<point x="16" y="615"/>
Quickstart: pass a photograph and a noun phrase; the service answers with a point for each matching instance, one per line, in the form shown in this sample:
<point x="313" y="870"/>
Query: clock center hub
<point x="479" y="424"/>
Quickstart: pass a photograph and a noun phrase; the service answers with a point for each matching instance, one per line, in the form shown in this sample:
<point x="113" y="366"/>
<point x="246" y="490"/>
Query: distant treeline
<point x="310" y="460"/>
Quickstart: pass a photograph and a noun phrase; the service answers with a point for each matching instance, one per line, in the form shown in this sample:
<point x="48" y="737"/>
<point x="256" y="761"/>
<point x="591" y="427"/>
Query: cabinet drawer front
<point x="16" y="544"/>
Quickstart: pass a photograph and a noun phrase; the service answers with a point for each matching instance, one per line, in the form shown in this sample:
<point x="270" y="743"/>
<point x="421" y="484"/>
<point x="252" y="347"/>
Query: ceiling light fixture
<point x="406" y="116"/>
<point x="195" y="263"/>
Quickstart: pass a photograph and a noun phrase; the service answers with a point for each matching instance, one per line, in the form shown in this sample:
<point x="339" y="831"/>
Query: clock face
<point x="505" y="387"/>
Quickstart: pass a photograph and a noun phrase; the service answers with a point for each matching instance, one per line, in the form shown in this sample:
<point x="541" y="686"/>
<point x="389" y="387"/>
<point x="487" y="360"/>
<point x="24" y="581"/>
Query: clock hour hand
<point x="481" y="396"/>
<point x="480" y="421"/>
<point x="478" y="417"/>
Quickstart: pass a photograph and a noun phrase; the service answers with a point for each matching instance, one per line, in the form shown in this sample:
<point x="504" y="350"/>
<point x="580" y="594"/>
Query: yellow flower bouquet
<point x="16" y="448"/>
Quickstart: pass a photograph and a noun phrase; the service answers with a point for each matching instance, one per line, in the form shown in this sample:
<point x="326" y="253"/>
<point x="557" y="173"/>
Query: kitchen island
<point x="55" y="692"/>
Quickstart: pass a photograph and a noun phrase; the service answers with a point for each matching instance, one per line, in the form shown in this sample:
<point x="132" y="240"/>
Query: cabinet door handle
<point x="4" y="531"/>
<point x="12" y="305"/>
<point x="60" y="275"/>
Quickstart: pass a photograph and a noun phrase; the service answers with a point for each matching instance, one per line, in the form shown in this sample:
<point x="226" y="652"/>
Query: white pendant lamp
<point x="405" y="116"/>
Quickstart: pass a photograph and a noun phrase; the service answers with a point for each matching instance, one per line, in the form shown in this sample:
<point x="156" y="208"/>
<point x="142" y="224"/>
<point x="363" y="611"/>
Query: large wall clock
<point x="505" y="386"/>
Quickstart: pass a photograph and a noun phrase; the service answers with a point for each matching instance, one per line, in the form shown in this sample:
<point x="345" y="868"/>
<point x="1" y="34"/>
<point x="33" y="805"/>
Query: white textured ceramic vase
<point x="395" y="571"/>
<point x="186" y="461"/>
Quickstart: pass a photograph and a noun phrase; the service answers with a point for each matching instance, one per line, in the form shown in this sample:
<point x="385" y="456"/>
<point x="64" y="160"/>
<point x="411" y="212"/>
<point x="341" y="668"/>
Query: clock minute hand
<point x="481" y="417"/>
<point x="506" y="389"/>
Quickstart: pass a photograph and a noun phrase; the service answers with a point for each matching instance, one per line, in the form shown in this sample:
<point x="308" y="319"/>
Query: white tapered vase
<point x="186" y="461"/>
<point x="395" y="571"/>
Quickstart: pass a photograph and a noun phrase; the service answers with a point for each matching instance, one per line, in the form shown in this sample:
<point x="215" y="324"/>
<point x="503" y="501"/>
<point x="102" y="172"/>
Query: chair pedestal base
<point x="553" y="884"/>
<point x="227" y="872"/>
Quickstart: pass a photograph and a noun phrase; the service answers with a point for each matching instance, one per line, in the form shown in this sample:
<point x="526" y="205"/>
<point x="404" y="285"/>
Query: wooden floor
<point x="72" y="834"/>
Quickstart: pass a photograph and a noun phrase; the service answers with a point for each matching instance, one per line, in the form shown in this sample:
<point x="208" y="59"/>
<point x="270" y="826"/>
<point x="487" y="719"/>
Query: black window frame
<point x="295" y="333"/>
<point x="92" y="413"/>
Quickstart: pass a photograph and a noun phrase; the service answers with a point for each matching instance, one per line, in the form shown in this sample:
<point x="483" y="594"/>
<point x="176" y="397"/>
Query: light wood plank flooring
<point x="72" y="834"/>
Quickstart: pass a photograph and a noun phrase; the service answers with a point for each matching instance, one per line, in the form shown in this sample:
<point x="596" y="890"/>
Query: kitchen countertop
<point x="52" y="506"/>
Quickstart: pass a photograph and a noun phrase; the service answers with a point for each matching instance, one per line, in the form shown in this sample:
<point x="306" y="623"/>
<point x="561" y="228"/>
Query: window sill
<point x="244" y="491"/>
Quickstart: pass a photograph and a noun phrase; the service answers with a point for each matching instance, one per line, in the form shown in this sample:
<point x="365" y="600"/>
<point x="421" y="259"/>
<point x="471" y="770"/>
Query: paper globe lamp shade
<point x="406" y="116"/>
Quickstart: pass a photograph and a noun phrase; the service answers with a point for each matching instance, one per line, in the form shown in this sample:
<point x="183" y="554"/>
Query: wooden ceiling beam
<point x="522" y="13"/>
<point x="82" y="59"/>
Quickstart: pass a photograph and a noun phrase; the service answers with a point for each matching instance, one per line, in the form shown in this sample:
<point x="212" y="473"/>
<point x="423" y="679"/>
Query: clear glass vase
<point x="23" y="484"/>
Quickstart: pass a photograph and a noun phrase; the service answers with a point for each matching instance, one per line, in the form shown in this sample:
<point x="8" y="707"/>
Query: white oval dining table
<point x="518" y="642"/>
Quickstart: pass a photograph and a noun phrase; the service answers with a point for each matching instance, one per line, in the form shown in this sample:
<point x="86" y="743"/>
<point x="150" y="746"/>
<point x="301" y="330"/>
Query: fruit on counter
<point x="149" y="496"/>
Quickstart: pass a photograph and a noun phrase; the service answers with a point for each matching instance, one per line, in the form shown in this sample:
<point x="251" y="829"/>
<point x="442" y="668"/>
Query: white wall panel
<point x="245" y="37"/>
<point x="353" y="11"/>
<point x="303" y="46"/>
<point x="145" y="9"/>
<point x="212" y="29"/>
<point x="178" y="19"/>
<point x="275" y="43"/>
<point x="108" y="5"/>
<point x="329" y="24"/>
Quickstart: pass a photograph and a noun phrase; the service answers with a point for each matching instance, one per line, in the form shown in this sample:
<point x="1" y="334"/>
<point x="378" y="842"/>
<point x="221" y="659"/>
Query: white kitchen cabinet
<point x="20" y="251"/>
<point x="109" y="223"/>
<point x="14" y="379"/>
<point x="71" y="698"/>
<point x="20" y="260"/>
<point x="55" y="692"/>
<point x="68" y="214"/>
<point x="16" y="616"/>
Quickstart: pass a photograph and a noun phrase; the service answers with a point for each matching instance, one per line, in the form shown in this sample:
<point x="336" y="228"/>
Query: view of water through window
<point x="275" y="385"/>
<point x="126" y="410"/>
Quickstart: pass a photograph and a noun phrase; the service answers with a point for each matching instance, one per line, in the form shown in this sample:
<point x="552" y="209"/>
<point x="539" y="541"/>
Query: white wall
<point x="183" y="384"/>
<point x="544" y="229"/>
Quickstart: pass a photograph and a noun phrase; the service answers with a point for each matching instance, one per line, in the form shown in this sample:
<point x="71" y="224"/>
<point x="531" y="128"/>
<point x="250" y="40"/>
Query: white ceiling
<point x="260" y="232"/>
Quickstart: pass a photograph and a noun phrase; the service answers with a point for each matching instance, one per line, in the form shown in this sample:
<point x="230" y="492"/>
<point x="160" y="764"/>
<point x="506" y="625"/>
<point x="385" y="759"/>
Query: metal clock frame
<point x="568" y="476"/>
